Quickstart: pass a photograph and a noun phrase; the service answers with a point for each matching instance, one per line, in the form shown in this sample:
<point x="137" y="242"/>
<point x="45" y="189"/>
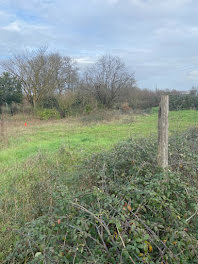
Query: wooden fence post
<point x="163" y="131"/>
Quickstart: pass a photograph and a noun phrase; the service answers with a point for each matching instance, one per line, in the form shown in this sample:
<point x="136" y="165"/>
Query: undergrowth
<point x="121" y="209"/>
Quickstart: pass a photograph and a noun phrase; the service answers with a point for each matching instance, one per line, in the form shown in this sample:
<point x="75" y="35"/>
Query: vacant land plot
<point x="23" y="142"/>
<point x="29" y="153"/>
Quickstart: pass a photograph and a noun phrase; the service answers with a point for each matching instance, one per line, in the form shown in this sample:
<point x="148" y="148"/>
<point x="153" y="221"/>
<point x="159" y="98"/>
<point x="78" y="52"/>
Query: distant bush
<point x="49" y="102"/>
<point x="46" y="114"/>
<point x="5" y="109"/>
<point x="88" y="108"/>
<point x="15" y="108"/>
<point x="132" y="212"/>
<point x="27" y="109"/>
<point x="143" y="99"/>
<point x="181" y="102"/>
<point x="125" y="107"/>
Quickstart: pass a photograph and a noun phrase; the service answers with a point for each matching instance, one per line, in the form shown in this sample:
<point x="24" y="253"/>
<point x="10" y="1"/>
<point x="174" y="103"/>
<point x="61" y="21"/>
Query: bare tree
<point x="108" y="78"/>
<point x="67" y="76"/>
<point x="41" y="73"/>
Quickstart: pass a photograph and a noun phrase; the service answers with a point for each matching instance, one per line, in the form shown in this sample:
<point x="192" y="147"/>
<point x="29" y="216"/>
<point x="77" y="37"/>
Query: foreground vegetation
<point x="132" y="212"/>
<point x="45" y="192"/>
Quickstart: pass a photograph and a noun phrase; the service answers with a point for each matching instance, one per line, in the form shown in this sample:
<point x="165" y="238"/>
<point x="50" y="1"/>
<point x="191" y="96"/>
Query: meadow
<point x="35" y="151"/>
<point x="22" y="142"/>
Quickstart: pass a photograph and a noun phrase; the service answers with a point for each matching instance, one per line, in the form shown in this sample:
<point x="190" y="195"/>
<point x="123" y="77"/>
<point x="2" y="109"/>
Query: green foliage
<point x="10" y="90"/>
<point x="181" y="102"/>
<point x="49" y="102"/>
<point x="88" y="109"/>
<point x="46" y="114"/>
<point x="144" y="99"/>
<point x="133" y="212"/>
<point x="155" y="110"/>
<point x="75" y="103"/>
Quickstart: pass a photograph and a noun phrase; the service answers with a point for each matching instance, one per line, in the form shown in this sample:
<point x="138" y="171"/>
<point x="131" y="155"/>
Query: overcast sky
<point x="157" y="39"/>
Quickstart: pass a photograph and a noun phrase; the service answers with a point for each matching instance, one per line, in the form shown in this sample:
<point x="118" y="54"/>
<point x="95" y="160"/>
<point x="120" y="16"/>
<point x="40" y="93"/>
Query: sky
<point x="157" y="39"/>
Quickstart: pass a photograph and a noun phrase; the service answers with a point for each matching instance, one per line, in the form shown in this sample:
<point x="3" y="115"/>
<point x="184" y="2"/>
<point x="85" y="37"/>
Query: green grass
<point x="48" y="138"/>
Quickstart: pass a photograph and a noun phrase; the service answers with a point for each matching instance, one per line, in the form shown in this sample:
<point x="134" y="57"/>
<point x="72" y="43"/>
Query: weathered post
<point x="163" y="132"/>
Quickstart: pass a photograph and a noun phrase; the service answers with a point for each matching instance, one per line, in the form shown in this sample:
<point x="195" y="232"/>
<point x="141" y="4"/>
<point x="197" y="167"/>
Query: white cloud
<point x="85" y="60"/>
<point x="193" y="30"/>
<point x="193" y="75"/>
<point x="5" y="17"/>
<point x="22" y="26"/>
<point x="19" y="35"/>
<point x="113" y="1"/>
<point x="170" y="4"/>
<point x="14" y="26"/>
<point x="176" y="33"/>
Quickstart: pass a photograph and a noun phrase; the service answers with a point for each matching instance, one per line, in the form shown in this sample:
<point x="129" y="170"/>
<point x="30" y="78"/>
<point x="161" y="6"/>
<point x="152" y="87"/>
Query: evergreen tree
<point x="10" y="89"/>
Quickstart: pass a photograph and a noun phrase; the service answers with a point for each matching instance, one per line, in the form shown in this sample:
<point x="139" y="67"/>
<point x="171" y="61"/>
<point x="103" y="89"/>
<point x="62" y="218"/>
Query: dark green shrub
<point x="88" y="109"/>
<point x="182" y="102"/>
<point x="49" y="102"/>
<point x="46" y="114"/>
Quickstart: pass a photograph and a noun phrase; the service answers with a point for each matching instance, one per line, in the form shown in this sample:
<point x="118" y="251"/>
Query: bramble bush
<point x="122" y="209"/>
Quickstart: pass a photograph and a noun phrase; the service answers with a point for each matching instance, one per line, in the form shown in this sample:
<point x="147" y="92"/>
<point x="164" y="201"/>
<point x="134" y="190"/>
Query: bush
<point x="15" y="108"/>
<point x="5" y="109"/>
<point x="27" y="109"/>
<point x="46" y="114"/>
<point x="133" y="212"/>
<point x="66" y="103"/>
<point x="125" y="108"/>
<point x="181" y="102"/>
<point x="49" y="102"/>
<point x="144" y="99"/>
<point x="76" y="103"/>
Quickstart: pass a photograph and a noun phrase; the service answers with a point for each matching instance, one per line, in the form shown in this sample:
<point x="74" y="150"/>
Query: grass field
<point x="23" y="143"/>
<point x="29" y="153"/>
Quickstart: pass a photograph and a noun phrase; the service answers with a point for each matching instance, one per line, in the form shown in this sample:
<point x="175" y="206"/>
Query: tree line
<point x="49" y="80"/>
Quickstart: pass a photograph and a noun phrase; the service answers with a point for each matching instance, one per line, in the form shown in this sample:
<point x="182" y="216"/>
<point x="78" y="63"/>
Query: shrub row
<point x="181" y="102"/>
